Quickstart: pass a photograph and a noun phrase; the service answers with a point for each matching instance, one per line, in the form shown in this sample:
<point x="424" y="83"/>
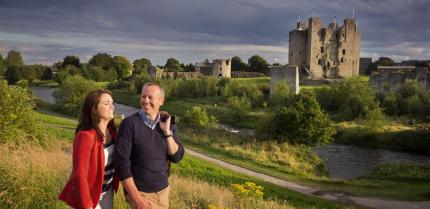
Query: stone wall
<point x="390" y="79"/>
<point x="290" y="74"/>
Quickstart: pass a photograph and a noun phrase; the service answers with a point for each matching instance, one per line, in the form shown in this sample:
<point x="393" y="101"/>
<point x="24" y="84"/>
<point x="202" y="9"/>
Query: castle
<point x="218" y="68"/>
<point x="325" y="52"/>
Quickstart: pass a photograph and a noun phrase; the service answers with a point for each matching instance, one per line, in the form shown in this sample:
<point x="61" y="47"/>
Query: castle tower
<point x="325" y="52"/>
<point x="222" y="68"/>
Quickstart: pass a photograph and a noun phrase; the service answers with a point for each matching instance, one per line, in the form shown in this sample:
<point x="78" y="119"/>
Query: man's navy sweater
<point x="141" y="153"/>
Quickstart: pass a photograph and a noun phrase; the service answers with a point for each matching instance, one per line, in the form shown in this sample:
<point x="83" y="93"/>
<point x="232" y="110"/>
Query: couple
<point x="138" y="155"/>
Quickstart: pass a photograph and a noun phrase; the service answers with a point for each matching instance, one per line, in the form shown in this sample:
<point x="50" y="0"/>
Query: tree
<point x="14" y="59"/>
<point x="141" y="65"/>
<point x="173" y="65"/>
<point x="351" y="98"/>
<point x="189" y="68"/>
<point x="71" y="60"/>
<point x="258" y="64"/>
<point x="102" y="60"/>
<point x="237" y="64"/>
<point x="2" y="66"/>
<point x="13" y="74"/>
<point x="383" y="61"/>
<point x="122" y="67"/>
<point x="300" y="121"/>
<point x="71" y="94"/>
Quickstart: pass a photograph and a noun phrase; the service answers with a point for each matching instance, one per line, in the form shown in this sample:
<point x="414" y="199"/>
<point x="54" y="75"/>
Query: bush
<point x="239" y="107"/>
<point x="280" y="94"/>
<point x="350" y="98"/>
<point x="197" y="117"/>
<point x="17" y="122"/>
<point x="301" y="121"/>
<point x="71" y="94"/>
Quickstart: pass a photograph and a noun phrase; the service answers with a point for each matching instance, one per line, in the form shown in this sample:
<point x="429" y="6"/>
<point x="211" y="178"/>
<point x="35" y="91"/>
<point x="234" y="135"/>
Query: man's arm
<point x="175" y="148"/>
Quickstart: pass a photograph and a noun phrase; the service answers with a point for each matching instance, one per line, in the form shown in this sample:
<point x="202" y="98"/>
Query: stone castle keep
<point x="325" y="52"/>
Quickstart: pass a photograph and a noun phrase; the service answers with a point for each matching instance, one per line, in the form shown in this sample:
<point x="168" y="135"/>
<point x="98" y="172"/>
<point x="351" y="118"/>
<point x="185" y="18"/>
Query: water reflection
<point x="352" y="161"/>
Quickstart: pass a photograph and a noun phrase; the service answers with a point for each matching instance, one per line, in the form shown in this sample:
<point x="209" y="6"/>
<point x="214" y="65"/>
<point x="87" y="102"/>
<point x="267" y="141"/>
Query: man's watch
<point x="169" y="134"/>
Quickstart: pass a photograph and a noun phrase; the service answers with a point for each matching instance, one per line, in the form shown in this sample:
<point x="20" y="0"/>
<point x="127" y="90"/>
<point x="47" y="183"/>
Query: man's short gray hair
<point x="162" y="91"/>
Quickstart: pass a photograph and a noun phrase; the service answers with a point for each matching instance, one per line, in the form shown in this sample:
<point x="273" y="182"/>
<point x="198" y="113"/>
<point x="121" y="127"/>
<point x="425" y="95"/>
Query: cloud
<point x="192" y="29"/>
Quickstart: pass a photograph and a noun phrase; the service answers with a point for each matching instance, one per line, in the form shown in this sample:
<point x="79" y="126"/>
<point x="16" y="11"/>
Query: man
<point x="143" y="147"/>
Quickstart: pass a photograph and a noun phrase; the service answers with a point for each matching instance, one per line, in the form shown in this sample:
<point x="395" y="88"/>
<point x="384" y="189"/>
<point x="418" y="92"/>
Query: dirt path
<point x="341" y="197"/>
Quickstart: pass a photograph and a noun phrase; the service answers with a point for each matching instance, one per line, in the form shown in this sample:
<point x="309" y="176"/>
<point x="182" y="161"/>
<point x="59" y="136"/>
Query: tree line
<point x="105" y="67"/>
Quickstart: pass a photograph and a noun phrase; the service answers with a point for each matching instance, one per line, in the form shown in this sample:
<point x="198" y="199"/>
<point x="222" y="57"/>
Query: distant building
<point x="288" y="74"/>
<point x="325" y="52"/>
<point x="218" y="68"/>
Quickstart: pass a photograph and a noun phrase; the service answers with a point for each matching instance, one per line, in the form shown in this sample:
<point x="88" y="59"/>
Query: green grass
<point x="200" y="169"/>
<point x="57" y="125"/>
<point x="258" y="80"/>
<point x="45" y="83"/>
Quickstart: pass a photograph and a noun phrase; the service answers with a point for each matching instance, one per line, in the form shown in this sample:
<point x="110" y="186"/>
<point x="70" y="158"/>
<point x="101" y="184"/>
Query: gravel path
<point x="341" y="197"/>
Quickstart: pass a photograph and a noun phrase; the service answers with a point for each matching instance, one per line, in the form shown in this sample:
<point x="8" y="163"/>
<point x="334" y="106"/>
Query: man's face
<point x="150" y="99"/>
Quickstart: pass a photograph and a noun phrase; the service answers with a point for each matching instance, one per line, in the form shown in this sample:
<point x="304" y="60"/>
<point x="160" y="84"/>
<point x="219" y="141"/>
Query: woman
<point x="92" y="182"/>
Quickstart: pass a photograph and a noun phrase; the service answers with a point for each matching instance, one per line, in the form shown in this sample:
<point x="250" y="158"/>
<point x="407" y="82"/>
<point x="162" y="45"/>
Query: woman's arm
<point x="82" y="147"/>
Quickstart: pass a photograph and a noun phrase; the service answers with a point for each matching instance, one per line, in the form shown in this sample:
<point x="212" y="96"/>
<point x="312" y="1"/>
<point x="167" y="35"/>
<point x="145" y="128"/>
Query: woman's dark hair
<point x="89" y="117"/>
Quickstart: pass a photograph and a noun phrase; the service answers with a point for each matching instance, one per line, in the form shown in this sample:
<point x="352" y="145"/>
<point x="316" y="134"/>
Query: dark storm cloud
<point x="194" y="29"/>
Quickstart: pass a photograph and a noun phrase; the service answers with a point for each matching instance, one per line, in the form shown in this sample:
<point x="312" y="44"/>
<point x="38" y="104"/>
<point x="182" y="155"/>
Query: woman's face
<point x="105" y="108"/>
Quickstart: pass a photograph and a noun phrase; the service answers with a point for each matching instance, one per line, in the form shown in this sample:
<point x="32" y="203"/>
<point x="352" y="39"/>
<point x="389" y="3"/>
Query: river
<point x="341" y="161"/>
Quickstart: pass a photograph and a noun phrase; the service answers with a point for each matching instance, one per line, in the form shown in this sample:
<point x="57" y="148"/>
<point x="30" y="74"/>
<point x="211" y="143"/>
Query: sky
<point x="45" y="31"/>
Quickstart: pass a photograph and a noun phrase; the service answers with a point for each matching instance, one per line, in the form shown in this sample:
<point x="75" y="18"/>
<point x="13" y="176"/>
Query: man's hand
<point x="165" y="126"/>
<point x="139" y="202"/>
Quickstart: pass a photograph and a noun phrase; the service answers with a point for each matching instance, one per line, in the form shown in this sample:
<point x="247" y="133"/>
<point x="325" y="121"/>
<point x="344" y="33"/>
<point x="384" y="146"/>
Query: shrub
<point x="239" y="107"/>
<point x="390" y="104"/>
<point x="197" y="117"/>
<point x="301" y="121"/>
<point x="17" y="122"/>
<point x="350" y="98"/>
<point x="280" y="94"/>
<point x="71" y="94"/>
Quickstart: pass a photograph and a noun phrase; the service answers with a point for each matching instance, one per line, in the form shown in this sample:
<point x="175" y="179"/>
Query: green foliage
<point x="14" y="59"/>
<point x="102" y="60"/>
<point x="258" y="64"/>
<point x="280" y="94"/>
<point x="71" y="60"/>
<point x="71" y="94"/>
<point x="239" y="107"/>
<point x="390" y="104"/>
<point x="351" y="98"/>
<point x="410" y="99"/>
<point x="122" y="66"/>
<point x="137" y="84"/>
<point x="17" y="123"/>
<point x="301" y="121"/>
<point x="237" y="64"/>
<point x="173" y="65"/>
<point x="141" y="66"/>
<point x="197" y="117"/>
<point x="2" y="65"/>
<point x="13" y="74"/>
<point x="253" y="91"/>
